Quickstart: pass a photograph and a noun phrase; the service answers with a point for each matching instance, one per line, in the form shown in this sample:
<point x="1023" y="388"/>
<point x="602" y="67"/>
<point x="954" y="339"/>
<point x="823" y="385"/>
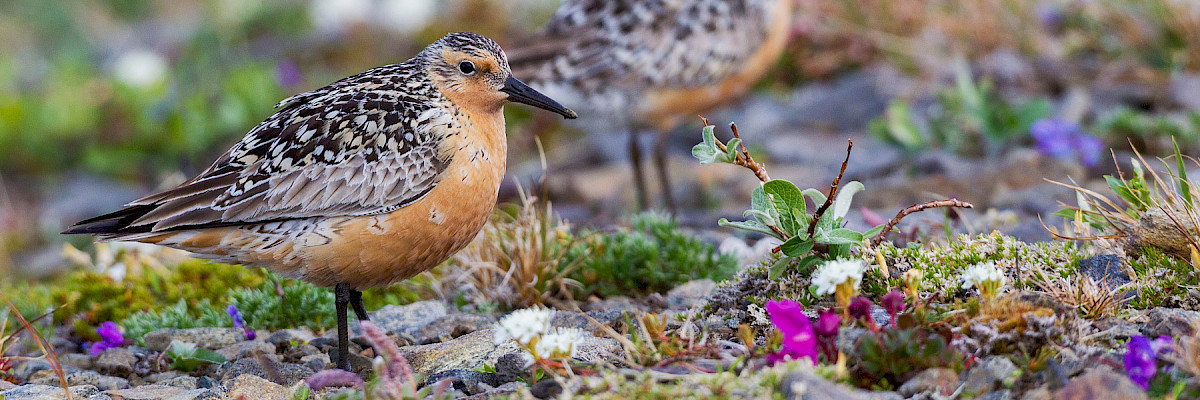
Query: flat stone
<point x="291" y="373"/>
<point x="199" y="394"/>
<point x="406" y="319"/>
<point x="117" y="361"/>
<point x="299" y="335"/>
<point x="451" y="326"/>
<point x="465" y="380"/>
<point x="185" y="382"/>
<point x="316" y="362"/>
<point x="207" y="338"/>
<point x="161" y="376"/>
<point x="941" y="381"/>
<point x="477" y="349"/>
<point x="147" y="392"/>
<point x="48" y="392"/>
<point x="246" y="348"/>
<point x="690" y="294"/>
<point x="103" y="382"/>
<point x="806" y="386"/>
<point x="1100" y="384"/>
<point x="253" y="387"/>
<point x="76" y="360"/>
<point x="5" y="385"/>
<point x="1173" y="322"/>
<point x="989" y="374"/>
<point x="24" y="370"/>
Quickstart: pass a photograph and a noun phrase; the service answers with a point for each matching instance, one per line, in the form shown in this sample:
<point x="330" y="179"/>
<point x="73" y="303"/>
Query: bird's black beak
<point x="521" y="93"/>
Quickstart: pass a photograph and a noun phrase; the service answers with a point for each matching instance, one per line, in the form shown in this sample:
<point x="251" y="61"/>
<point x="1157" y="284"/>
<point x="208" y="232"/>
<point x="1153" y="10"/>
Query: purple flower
<point x="110" y="337"/>
<point x="238" y="322"/>
<point x="1140" y="361"/>
<point x="287" y="74"/>
<point x="828" y="323"/>
<point x="798" y="338"/>
<point x="860" y="308"/>
<point x="1064" y="139"/>
<point x="1163" y="345"/>
<point x="893" y="302"/>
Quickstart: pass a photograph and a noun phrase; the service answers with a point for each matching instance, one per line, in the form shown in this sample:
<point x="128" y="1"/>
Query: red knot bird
<point x="365" y="182"/>
<point x="649" y="64"/>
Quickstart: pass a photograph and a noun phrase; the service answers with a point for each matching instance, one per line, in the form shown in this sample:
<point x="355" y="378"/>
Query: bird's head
<point x="472" y="71"/>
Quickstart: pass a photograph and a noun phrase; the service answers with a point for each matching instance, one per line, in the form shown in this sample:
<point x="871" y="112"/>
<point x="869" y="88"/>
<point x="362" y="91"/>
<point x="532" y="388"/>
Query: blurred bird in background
<point x="633" y="65"/>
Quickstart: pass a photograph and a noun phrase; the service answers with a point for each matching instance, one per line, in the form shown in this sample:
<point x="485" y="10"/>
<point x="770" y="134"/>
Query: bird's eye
<point x="466" y="67"/>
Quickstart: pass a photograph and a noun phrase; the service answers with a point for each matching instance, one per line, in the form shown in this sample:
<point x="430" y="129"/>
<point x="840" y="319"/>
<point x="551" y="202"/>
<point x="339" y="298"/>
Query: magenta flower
<point x="110" y="337"/>
<point x="1140" y="361"/>
<point x="828" y="323"/>
<point x="798" y="338"/>
<point x="893" y="302"/>
<point x="860" y="308"/>
<point x="238" y="322"/>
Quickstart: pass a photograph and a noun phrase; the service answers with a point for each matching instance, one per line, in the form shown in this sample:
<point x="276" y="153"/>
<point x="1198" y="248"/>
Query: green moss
<point x="1163" y="280"/>
<point x="178" y="316"/>
<point x="654" y="256"/>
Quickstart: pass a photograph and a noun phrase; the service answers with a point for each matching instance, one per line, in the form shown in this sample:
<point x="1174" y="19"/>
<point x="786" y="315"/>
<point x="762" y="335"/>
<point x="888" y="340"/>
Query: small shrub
<point x="654" y="256"/>
<point x="178" y="316"/>
<point x="278" y="304"/>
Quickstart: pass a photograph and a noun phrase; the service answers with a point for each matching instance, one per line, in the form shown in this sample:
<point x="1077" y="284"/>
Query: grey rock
<point x="50" y="392"/>
<point x="359" y="363"/>
<point x="207" y="382"/>
<point x="616" y="303"/>
<point x="1105" y="269"/>
<point x="502" y="391"/>
<point x="148" y="392"/>
<point x="407" y="319"/>
<point x="76" y="360"/>
<point x="1171" y="322"/>
<point x="6" y="385"/>
<point x="207" y="338"/>
<point x="989" y="374"/>
<point x="575" y="319"/>
<point x="298" y="335"/>
<point x="76" y="378"/>
<point x="183" y="381"/>
<point x="546" y="389"/>
<point x="474" y="350"/>
<point x="290" y="373"/>
<point x="806" y="386"/>
<point x="161" y="376"/>
<point x="26" y="369"/>
<point x="255" y="387"/>
<point x="1100" y="384"/>
<point x="512" y="367"/>
<point x="199" y="394"/>
<point x="941" y="381"/>
<point x="316" y="362"/>
<point x="847" y="103"/>
<point x="450" y="327"/>
<point x="246" y="348"/>
<point x="997" y="395"/>
<point x="116" y="362"/>
<point x="465" y="380"/>
<point x="690" y="294"/>
<point x="1185" y="90"/>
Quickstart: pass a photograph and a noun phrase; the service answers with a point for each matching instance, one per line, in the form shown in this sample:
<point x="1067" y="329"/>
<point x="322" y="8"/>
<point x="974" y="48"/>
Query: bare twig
<point x="745" y="160"/>
<point x="913" y="209"/>
<point x="833" y="188"/>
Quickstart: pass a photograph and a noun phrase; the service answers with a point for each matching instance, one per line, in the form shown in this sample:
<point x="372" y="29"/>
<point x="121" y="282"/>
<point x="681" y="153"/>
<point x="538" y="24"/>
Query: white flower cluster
<point x="559" y="344"/>
<point x="833" y="273"/>
<point x="524" y="325"/>
<point x="976" y="275"/>
<point x="531" y="329"/>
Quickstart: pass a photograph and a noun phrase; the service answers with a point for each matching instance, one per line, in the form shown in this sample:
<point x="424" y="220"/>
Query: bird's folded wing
<point x="338" y="152"/>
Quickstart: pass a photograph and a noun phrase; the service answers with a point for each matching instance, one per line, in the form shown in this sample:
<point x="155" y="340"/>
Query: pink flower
<point x="798" y="338"/>
<point x="893" y="302"/>
<point x="828" y="323"/>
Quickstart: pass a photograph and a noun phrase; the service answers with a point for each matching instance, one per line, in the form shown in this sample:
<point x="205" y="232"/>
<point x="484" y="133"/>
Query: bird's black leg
<point x="356" y="302"/>
<point x="341" y="294"/>
<point x="635" y="159"/>
<point x="660" y="161"/>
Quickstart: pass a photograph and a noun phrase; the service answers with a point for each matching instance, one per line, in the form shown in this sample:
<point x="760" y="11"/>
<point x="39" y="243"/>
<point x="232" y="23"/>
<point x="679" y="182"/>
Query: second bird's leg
<point x="357" y="303"/>
<point x="341" y="297"/>
<point x="660" y="163"/>
<point x="635" y="160"/>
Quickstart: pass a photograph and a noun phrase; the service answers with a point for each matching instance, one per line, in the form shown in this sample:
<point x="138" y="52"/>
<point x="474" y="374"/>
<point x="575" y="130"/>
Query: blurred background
<point x="103" y="101"/>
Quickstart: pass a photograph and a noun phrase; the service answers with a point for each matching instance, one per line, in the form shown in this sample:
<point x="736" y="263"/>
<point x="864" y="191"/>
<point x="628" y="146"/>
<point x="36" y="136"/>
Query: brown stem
<point x="833" y="188"/>
<point x="744" y="159"/>
<point x="917" y="208"/>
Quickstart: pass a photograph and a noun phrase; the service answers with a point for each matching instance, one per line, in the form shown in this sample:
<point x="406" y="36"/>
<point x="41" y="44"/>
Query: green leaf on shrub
<point x="187" y="357"/>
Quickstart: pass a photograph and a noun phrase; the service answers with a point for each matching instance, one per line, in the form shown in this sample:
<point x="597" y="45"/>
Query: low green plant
<point x="1152" y="132"/>
<point x="279" y="304"/>
<point x="178" y="316"/>
<point x="893" y="356"/>
<point x="187" y="357"/>
<point x="653" y="256"/>
<point x="972" y="119"/>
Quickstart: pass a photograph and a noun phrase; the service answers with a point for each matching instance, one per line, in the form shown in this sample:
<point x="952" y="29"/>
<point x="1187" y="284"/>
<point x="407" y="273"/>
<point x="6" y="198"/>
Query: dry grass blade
<point x="41" y="343"/>
<point x="1093" y="299"/>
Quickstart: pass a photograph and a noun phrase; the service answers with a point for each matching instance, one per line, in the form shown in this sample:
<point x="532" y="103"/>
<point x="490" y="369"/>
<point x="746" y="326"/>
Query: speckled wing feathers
<point x="363" y="145"/>
<point x="591" y="44"/>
